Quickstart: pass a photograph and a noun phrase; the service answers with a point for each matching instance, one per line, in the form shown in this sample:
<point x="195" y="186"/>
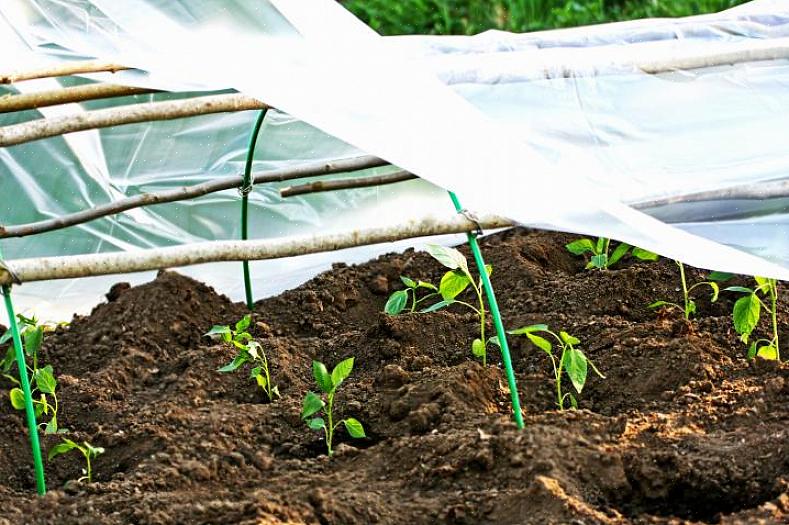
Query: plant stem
<point x="89" y="472"/>
<point x="684" y="287"/>
<point x="330" y="431"/>
<point x="482" y="326"/>
<point x="557" y="373"/>
<point x="774" y="311"/>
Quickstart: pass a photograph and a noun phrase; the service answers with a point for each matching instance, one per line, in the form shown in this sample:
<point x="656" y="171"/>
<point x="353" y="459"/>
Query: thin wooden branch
<point x="189" y="192"/>
<point x="765" y="190"/>
<point x="66" y="267"/>
<point x="67" y="95"/>
<point x="131" y="114"/>
<point x="63" y="70"/>
<point x="346" y="184"/>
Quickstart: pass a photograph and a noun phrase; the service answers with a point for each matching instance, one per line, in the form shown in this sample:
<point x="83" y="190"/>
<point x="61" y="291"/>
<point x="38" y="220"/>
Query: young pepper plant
<point x="572" y="360"/>
<point x="600" y="258"/>
<point x="689" y="305"/>
<point x="314" y="404"/>
<point x="43" y="380"/>
<point x="87" y="450"/>
<point x="247" y="351"/>
<point x="398" y="301"/>
<point x="746" y="314"/>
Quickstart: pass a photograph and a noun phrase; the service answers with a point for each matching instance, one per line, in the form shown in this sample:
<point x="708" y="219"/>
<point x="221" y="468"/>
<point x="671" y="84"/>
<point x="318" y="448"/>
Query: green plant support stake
<point x="25" y="383"/>
<point x="246" y="187"/>
<point x="494" y="312"/>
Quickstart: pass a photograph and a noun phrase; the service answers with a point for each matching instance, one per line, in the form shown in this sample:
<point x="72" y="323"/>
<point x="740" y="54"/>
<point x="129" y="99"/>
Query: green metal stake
<point x="32" y="426"/>
<point x="494" y="312"/>
<point x="246" y="187"/>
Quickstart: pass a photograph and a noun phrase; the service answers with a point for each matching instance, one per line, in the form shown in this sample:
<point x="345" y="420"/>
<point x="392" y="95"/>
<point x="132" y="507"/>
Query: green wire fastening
<point x="246" y="187"/>
<point x="32" y="426"/>
<point x="494" y="312"/>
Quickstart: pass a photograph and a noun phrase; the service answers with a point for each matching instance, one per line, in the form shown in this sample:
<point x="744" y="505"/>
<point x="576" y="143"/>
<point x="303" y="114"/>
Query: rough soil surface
<point x="683" y="429"/>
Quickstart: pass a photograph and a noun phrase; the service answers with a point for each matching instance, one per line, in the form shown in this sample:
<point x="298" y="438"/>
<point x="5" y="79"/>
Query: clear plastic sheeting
<point x="576" y="130"/>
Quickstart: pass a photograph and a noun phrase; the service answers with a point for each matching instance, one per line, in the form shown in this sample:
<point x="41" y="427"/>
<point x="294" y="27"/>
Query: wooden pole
<point x="67" y="95"/>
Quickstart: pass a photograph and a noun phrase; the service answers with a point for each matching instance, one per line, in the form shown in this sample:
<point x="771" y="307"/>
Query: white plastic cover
<point x="549" y="129"/>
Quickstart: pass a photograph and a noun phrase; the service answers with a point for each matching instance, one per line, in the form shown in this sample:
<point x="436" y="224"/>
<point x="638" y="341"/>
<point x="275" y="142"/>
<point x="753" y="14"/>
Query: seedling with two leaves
<point x="247" y="351"/>
<point x="747" y="311"/>
<point x="398" y="301"/>
<point x="689" y="307"/>
<point x="600" y="258"/>
<point x="88" y="451"/>
<point x="572" y="360"/>
<point x="43" y="381"/>
<point x="453" y="283"/>
<point x="313" y="403"/>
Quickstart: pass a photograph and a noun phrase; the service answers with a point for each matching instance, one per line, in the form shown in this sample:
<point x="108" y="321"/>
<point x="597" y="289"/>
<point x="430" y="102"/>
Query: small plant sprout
<point x="747" y="311"/>
<point x="572" y="360"/>
<point x="247" y="351"/>
<point x="87" y="450"/>
<point x="43" y="381"/>
<point x="599" y="251"/>
<point x="398" y="301"/>
<point x="453" y="283"/>
<point x="314" y="404"/>
<point x="689" y="307"/>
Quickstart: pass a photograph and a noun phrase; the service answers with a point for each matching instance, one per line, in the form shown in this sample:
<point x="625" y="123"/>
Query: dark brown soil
<point x="683" y="429"/>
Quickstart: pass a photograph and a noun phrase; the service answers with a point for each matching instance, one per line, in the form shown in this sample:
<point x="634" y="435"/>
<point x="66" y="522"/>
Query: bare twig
<point x="190" y="192"/>
<point x="763" y="190"/>
<point x="46" y="268"/>
<point x="103" y="118"/>
<point x="62" y="70"/>
<point x="346" y="184"/>
<point x="67" y="95"/>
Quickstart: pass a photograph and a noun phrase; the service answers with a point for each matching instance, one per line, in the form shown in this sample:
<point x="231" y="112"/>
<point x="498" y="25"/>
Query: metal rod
<point x="32" y="425"/>
<point x="494" y="312"/>
<point x="246" y="187"/>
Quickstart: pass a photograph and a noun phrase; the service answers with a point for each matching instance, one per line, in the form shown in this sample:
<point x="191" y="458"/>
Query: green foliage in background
<point x="467" y="17"/>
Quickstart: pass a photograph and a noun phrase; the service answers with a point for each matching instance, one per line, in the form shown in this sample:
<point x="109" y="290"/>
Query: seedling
<point x="247" y="351"/>
<point x="599" y="252"/>
<point x="572" y="360"/>
<point x="314" y="404"/>
<point x="87" y="450"/>
<point x="689" y="307"/>
<point x="398" y="301"/>
<point x="43" y="381"/>
<point x="747" y="311"/>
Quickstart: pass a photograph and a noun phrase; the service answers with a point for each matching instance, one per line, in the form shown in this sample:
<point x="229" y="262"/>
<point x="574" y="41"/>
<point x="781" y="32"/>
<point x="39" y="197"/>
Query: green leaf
<point x="715" y="290"/>
<point x="541" y="343"/>
<point x="599" y="261"/>
<point x="52" y="426"/>
<point x="244" y="323"/>
<point x="10" y="358"/>
<point x="762" y="281"/>
<point x="253" y="347"/>
<point x="494" y="341"/>
<point x="449" y="257"/>
<point x="260" y="379"/>
<point x="258" y="370"/>
<point x="425" y="284"/>
<point x="396" y="302"/>
<point x="341" y="371"/>
<point x="691" y="307"/>
<point x="489" y="269"/>
<point x="478" y="348"/>
<point x="741" y="289"/>
<point x="217" y="330"/>
<point x="746" y="313"/>
<point x="44" y="379"/>
<point x="574" y="362"/>
<point x="619" y="252"/>
<point x="61" y="448"/>
<point x="437" y="306"/>
<point x="322" y="377"/>
<point x="601" y="242"/>
<point x="311" y="405"/>
<point x="34" y="337"/>
<point x="92" y="451"/>
<point x="234" y="364"/>
<point x="658" y="304"/>
<point x="528" y="329"/>
<point x="354" y="428"/>
<point x="720" y="276"/>
<point x="452" y="284"/>
<point x="316" y="423"/>
<point x="580" y="247"/>
<point x="644" y="255"/>
<point x="752" y="350"/>
<point x="573" y="401"/>
<point x="768" y="352"/>
<point x="17" y="398"/>
<point x="569" y="339"/>
<point x="7" y="335"/>
<point x="408" y="282"/>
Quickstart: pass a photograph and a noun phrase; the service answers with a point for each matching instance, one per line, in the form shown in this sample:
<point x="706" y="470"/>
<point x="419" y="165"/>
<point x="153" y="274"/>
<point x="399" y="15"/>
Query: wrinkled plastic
<point x="472" y="114"/>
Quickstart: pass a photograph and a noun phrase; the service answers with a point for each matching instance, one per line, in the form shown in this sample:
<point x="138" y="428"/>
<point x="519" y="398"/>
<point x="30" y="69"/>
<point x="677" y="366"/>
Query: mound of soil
<point x="683" y="429"/>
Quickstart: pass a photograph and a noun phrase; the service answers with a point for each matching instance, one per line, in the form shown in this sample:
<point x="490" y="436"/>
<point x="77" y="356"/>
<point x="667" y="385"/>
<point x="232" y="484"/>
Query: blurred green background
<point x="467" y="17"/>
